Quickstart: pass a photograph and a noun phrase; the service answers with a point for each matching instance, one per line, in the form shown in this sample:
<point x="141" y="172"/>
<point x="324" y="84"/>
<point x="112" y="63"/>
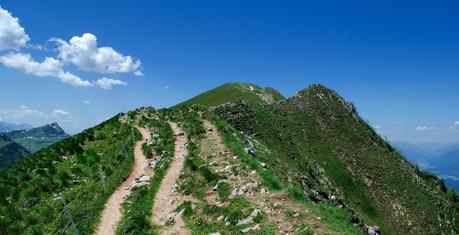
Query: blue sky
<point x="397" y="62"/>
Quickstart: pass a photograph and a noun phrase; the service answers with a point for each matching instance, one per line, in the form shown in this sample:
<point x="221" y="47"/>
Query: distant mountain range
<point x="7" y="127"/>
<point x="18" y="144"/>
<point x="37" y="138"/>
<point x="438" y="158"/>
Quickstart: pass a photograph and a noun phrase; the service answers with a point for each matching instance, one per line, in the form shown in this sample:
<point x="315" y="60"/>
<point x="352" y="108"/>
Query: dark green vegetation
<point x="10" y="151"/>
<point x="317" y="140"/>
<point x="138" y="206"/>
<point x="29" y="189"/>
<point x="37" y="138"/>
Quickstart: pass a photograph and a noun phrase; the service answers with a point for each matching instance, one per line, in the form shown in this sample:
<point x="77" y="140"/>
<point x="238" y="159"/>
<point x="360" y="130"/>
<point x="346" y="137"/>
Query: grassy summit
<point x="318" y="142"/>
<point x="235" y="91"/>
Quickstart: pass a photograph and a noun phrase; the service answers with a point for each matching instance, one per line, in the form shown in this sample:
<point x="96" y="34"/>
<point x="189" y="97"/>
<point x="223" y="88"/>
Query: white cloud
<point x="86" y="102"/>
<point x="23" y="112"/>
<point x="50" y="67"/>
<point x="84" y="53"/>
<point x="377" y="127"/>
<point x="456" y="123"/>
<point x="12" y="34"/>
<point x="425" y="128"/>
<point x="167" y="87"/>
<point x="61" y="114"/>
<point x="107" y="83"/>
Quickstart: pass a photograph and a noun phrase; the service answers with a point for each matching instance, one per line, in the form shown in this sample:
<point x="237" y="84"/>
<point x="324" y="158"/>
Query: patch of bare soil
<point x="167" y="198"/>
<point x="112" y="214"/>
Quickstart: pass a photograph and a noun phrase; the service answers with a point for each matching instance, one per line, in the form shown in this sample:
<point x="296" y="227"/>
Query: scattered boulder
<point x="249" y="218"/>
<point x="249" y="148"/>
<point x="250" y="229"/>
<point x="217" y="233"/>
<point x="169" y="219"/>
<point x="236" y="192"/>
<point x="150" y="142"/>
<point x="139" y="184"/>
<point x="144" y="178"/>
<point x="373" y="230"/>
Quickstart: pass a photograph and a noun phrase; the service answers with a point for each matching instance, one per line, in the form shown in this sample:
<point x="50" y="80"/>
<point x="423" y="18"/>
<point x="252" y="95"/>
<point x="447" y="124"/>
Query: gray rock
<point x="169" y="219"/>
<point x="217" y="233"/>
<point x="249" y="218"/>
<point x="373" y="230"/>
<point x="144" y="178"/>
<point x="249" y="148"/>
<point x="236" y="192"/>
<point x="139" y="184"/>
<point x="250" y="229"/>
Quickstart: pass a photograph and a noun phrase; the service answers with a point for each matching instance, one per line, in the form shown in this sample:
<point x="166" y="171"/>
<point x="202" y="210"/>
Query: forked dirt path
<point x="167" y="199"/>
<point x="111" y="214"/>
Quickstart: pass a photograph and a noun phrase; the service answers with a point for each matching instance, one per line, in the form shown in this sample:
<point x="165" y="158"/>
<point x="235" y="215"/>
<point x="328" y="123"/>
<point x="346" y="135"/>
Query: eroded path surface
<point x="167" y="198"/>
<point x="112" y="214"/>
<point x="276" y="205"/>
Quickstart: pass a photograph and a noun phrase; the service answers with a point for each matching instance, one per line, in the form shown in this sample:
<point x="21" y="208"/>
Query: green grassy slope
<point x="235" y="91"/>
<point x="37" y="138"/>
<point x="29" y="189"/>
<point x="10" y="152"/>
<point x="318" y="141"/>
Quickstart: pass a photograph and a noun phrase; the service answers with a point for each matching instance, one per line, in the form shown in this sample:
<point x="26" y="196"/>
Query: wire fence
<point x="93" y="184"/>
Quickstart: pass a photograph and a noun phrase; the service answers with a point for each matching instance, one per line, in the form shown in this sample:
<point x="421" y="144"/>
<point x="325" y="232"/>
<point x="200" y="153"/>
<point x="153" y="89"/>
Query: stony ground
<point x="280" y="210"/>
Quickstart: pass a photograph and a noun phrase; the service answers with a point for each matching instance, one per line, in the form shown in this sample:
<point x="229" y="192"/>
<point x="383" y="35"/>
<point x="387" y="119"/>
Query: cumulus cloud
<point x="50" y="67"/>
<point x="23" y="112"/>
<point x="86" y="102"/>
<point x="108" y="83"/>
<point x="81" y="51"/>
<point x="456" y="123"/>
<point x="12" y="34"/>
<point x="425" y="128"/>
<point x="61" y="114"/>
<point x="377" y="127"/>
<point x="84" y="53"/>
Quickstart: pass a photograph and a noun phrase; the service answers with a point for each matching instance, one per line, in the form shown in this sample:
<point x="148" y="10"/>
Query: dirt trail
<point x="274" y="204"/>
<point x="167" y="199"/>
<point x="111" y="214"/>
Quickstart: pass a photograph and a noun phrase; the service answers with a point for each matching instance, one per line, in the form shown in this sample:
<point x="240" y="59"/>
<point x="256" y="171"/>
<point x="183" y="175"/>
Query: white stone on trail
<point x="139" y="184"/>
<point x="248" y="219"/>
<point x="250" y="229"/>
<point x="144" y="178"/>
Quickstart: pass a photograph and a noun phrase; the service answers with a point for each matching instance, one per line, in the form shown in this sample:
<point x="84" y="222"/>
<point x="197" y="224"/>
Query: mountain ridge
<point x="312" y="149"/>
